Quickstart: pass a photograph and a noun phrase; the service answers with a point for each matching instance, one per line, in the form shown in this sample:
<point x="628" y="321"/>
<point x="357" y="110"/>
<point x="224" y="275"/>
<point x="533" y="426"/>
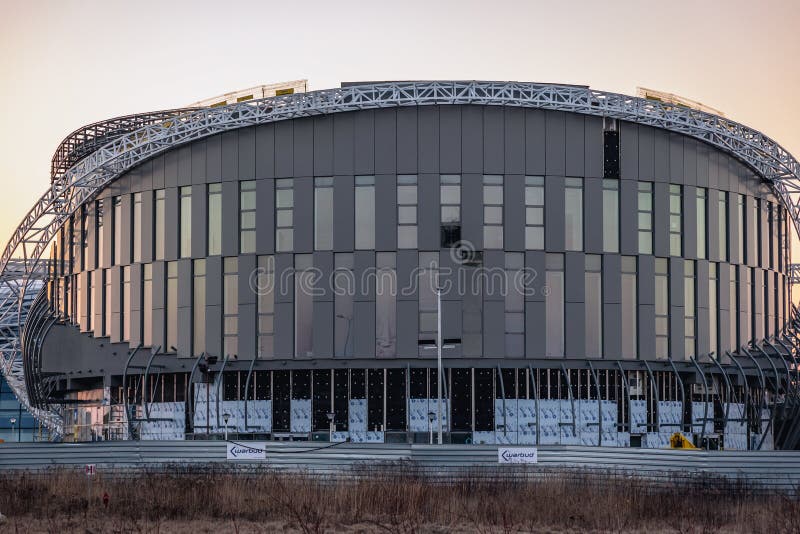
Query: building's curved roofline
<point x="90" y="175"/>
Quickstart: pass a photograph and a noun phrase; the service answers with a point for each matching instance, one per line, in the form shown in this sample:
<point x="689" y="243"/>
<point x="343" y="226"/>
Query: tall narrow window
<point x="740" y="216"/>
<point x="116" y="224"/>
<point x="722" y="225"/>
<point x="689" y="309"/>
<point x="125" y="304"/>
<point x="172" y="306"/>
<point x="230" y="307"/>
<point x="323" y="213"/>
<point x="185" y="221"/>
<point x="554" y="306"/>
<point x="344" y="285"/>
<point x="493" y="211"/>
<point x="534" y="212"/>
<point x="365" y="212"/>
<point x="713" y="309"/>
<point x="266" y="306"/>
<point x="99" y="233"/>
<point x="573" y="214"/>
<point x="593" y="313"/>
<point x="407" y="211"/>
<point x="428" y="279"/>
<point x="629" y="303"/>
<point x="755" y="223"/>
<point x="303" y="305"/>
<point x="515" y="305"/>
<point x="645" y="217"/>
<point x="199" y="307"/>
<point x="662" y="308"/>
<point x="136" y="242"/>
<point x="675" y="221"/>
<point x="159" y="213"/>
<point x="106" y="313"/>
<point x="610" y="215"/>
<point x="214" y="219"/>
<point x="450" y="201"/>
<point x="610" y="148"/>
<point x="386" y="304"/>
<point x="702" y="199"/>
<point x="147" y="304"/>
<point x="247" y="217"/>
<point x="284" y="215"/>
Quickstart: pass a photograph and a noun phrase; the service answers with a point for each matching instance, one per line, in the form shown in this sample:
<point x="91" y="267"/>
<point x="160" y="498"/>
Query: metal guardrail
<point x="772" y="471"/>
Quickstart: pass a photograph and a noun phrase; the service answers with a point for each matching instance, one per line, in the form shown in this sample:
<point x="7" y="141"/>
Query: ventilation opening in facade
<point x="610" y="148"/>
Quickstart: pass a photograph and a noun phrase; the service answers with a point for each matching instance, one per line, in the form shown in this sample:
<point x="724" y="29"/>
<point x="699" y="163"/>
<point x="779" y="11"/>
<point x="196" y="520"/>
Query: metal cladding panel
<point x="114" y="275"/>
<point x="555" y="142"/>
<point x="733" y="229"/>
<point x="364" y="336"/>
<point x="628" y="217"/>
<point x="646" y="156"/>
<point x="493" y="329"/>
<point x="198" y="162"/>
<point x="514" y="141"/>
<point x="612" y="282"/>
<point x="230" y="156"/>
<point x="629" y="150"/>
<point x="185" y="331"/>
<point x="265" y="151"/>
<point x="265" y="216"/>
<point x="171" y="225"/>
<point x="689" y="227"/>
<point x="676" y="293"/>
<point x="690" y="171"/>
<point x="677" y="174"/>
<point x="185" y="283"/>
<point x="575" y="330"/>
<point x="247" y="331"/>
<point x="386" y="212"/>
<point x="214" y="159"/>
<point x="554" y="214"/>
<point x="284" y="149"/>
<point x="304" y="215"/>
<point x="450" y="139"/>
<point x="363" y="265"/>
<point x="428" y="139"/>
<point x="343" y="143"/>
<point x="472" y="210"/>
<point x="451" y="327"/>
<point x="535" y="144"/>
<point x="158" y="172"/>
<point x="303" y="152"/>
<point x="574" y="277"/>
<point x="428" y="212"/>
<point x="147" y="227"/>
<point x="407" y="265"/>
<point x="646" y="337"/>
<point x="364" y="135"/>
<point x="136" y="305"/>
<point x="343" y="222"/>
<point x="712" y="235"/>
<point x="407" y="328"/>
<point x="323" y="146"/>
<point x="247" y="286"/>
<point x="535" y="329"/>
<point x="536" y="280"/>
<point x="230" y="218"/>
<point x="386" y="142"/>
<point x="676" y="333"/>
<point x="514" y="213"/>
<point x="322" y="336"/>
<point x="471" y="139"/>
<point x="247" y="154"/>
<point x="125" y="245"/>
<point x="213" y="330"/>
<point x="749" y="232"/>
<point x="171" y="168"/>
<point x="493" y="140"/>
<point x="575" y="145"/>
<point x="324" y="265"/>
<point x="661" y="158"/>
<point x="284" y="330"/>
<point x="184" y="165"/>
<point x="661" y="219"/>
<point x="593" y="215"/>
<point x="612" y="330"/>
<point x="703" y="164"/>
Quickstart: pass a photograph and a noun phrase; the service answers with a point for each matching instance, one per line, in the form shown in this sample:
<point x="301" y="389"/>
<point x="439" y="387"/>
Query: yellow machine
<point x="679" y="441"/>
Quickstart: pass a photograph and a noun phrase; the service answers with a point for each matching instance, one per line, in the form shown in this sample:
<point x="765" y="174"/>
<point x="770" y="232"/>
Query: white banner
<point x="517" y="455"/>
<point x="253" y="450"/>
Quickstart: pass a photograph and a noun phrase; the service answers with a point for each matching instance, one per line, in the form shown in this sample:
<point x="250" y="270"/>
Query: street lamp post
<point x="431" y="416"/>
<point x="439" y="359"/>
<point x="13" y="422"/>
<point x="330" y="416"/>
<point x="225" y="418"/>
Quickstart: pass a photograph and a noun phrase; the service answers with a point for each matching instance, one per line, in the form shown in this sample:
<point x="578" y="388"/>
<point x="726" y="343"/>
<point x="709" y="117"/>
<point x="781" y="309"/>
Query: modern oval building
<point x="593" y="268"/>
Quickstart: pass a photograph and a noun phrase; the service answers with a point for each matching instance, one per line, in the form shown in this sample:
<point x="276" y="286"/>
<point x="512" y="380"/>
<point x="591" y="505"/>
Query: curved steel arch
<point x="92" y="173"/>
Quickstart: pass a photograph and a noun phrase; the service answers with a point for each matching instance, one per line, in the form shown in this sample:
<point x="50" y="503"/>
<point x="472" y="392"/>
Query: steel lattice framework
<point x="126" y="149"/>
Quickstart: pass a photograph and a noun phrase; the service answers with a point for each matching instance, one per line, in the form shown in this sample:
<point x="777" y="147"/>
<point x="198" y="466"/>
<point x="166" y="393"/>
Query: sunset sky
<point x="65" y="63"/>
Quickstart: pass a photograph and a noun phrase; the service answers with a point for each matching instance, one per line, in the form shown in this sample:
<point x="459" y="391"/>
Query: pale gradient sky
<point x="67" y="63"/>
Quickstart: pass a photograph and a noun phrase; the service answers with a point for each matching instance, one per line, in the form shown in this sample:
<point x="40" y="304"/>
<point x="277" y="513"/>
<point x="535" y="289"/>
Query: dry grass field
<point x="396" y="500"/>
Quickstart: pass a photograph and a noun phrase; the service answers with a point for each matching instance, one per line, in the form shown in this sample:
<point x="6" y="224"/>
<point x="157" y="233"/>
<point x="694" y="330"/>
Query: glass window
<point x="214" y="219"/>
<point x="702" y="199"/>
<point x="365" y="212"/>
<point x="407" y="211"/>
<point x="554" y="305"/>
<point x="493" y="211"/>
<point x="199" y="307"/>
<point x="690" y="310"/>
<point x="136" y="242"/>
<point x="247" y="217"/>
<point x="266" y="306"/>
<point x="610" y="215"/>
<point x="323" y="213"/>
<point x="675" y="221"/>
<point x="116" y="224"/>
<point x="629" y="303"/>
<point x="573" y="214"/>
<point x="594" y="306"/>
<point x="147" y="304"/>
<point x="722" y="225"/>
<point x="185" y="221"/>
<point x="534" y="212"/>
<point x="662" y="308"/>
<point x="303" y="305"/>
<point x="172" y="306"/>
<point x="515" y="305"/>
<point x="125" y="304"/>
<point x="645" y="217"/>
<point x="386" y="305"/>
<point x="159" y="212"/>
<point x="450" y="205"/>
<point x="344" y="286"/>
<point x="284" y="215"/>
<point x="230" y="307"/>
